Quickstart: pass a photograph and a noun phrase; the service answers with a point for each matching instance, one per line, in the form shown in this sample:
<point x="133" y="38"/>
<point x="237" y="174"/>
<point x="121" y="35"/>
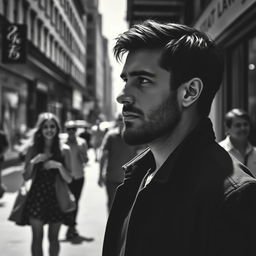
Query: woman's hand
<point x="51" y="164"/>
<point x="39" y="158"/>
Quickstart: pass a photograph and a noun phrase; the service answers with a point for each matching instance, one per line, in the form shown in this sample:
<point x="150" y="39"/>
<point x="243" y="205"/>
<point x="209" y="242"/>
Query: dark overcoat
<point x="201" y="202"/>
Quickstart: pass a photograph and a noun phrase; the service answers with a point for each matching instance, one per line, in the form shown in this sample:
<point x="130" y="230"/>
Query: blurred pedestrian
<point x="46" y="159"/>
<point x="238" y="124"/>
<point x="97" y="136"/>
<point x="114" y="154"/>
<point x="184" y="195"/>
<point x="87" y="135"/>
<point x="3" y="148"/>
<point x="78" y="159"/>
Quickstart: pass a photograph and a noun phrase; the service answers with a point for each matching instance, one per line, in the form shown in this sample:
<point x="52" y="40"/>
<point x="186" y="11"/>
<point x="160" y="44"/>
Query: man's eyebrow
<point x="138" y="73"/>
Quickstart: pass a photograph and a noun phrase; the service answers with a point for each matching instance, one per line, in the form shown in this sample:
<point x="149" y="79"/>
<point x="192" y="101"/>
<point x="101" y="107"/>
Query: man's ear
<point x="191" y="91"/>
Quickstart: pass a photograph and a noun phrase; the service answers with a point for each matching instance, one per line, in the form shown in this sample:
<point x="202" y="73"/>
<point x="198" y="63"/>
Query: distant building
<point x="53" y="78"/>
<point x="161" y="10"/>
<point x="99" y="72"/>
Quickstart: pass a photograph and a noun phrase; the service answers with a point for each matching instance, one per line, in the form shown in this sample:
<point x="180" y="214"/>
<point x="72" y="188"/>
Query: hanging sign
<point x="220" y="14"/>
<point x="14" y="47"/>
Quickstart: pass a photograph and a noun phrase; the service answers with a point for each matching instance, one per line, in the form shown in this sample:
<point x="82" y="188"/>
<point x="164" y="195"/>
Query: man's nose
<point x="124" y="98"/>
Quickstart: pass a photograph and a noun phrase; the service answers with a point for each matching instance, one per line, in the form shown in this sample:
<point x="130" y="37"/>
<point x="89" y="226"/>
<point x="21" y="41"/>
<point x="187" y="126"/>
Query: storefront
<point x="232" y="24"/>
<point x="13" y="93"/>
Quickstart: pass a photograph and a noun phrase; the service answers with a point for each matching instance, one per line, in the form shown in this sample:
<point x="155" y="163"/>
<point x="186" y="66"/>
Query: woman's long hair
<point x="39" y="140"/>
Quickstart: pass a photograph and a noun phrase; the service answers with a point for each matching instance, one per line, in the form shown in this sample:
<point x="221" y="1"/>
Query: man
<point x="184" y="195"/>
<point x="237" y="143"/>
<point x="115" y="153"/>
<point x="78" y="150"/>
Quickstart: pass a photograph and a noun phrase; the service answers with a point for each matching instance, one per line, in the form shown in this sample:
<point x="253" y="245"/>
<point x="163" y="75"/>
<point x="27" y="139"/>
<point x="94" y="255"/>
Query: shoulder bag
<point x="64" y="196"/>
<point x="17" y="212"/>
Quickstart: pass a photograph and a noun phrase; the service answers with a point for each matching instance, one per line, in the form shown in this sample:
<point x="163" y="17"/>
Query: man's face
<point x="239" y="129"/>
<point x="150" y="108"/>
<point x="71" y="132"/>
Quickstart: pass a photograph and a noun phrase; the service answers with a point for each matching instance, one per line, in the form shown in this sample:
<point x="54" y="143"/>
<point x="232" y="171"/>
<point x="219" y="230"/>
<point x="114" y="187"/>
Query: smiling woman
<point x="45" y="161"/>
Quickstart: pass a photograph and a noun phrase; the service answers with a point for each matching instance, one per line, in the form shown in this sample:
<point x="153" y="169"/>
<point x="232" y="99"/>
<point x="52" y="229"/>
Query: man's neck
<point x="241" y="146"/>
<point x="164" y="146"/>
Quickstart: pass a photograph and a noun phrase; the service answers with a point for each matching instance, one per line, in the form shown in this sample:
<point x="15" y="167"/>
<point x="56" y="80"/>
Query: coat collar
<point x="193" y="144"/>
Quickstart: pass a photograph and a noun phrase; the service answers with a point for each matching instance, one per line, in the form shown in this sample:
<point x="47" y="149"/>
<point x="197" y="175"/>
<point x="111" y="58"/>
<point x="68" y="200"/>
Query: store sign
<point x="220" y="14"/>
<point x="14" y="48"/>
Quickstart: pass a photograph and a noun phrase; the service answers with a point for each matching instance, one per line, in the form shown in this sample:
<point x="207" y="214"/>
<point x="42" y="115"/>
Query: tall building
<point x="161" y="10"/>
<point x="98" y="78"/>
<point x="53" y="76"/>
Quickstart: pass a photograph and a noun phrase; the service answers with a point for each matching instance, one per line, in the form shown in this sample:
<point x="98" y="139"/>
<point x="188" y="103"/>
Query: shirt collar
<point x="230" y="146"/>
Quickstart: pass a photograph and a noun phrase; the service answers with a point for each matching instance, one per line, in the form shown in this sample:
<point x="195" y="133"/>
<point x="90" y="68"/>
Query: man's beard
<point x="161" y="121"/>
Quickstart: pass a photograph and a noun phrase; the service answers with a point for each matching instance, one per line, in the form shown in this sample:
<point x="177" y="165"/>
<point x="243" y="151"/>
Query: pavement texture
<point x="16" y="240"/>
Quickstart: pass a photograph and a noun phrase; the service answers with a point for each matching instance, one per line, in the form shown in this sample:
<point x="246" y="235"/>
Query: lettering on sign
<point x="14" y="48"/>
<point x="220" y="14"/>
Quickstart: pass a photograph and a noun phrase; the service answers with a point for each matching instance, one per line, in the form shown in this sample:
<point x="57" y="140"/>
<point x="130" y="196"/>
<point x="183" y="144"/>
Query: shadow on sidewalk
<point x="78" y="240"/>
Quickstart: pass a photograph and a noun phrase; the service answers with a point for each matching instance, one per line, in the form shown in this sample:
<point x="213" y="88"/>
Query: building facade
<point x="161" y="10"/>
<point x="232" y="25"/>
<point x="53" y="76"/>
<point x="98" y="68"/>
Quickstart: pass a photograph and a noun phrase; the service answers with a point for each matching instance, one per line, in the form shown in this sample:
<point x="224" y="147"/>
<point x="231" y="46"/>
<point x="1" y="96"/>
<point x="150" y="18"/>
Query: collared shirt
<point x="118" y="153"/>
<point x="249" y="159"/>
<point x="78" y="157"/>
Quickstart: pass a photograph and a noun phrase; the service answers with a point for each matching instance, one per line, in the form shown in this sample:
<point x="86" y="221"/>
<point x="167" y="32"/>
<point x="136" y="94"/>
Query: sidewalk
<point x="16" y="240"/>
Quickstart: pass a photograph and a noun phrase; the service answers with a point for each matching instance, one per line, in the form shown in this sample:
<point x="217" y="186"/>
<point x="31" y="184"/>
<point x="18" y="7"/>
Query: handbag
<point x="17" y="213"/>
<point x="65" y="198"/>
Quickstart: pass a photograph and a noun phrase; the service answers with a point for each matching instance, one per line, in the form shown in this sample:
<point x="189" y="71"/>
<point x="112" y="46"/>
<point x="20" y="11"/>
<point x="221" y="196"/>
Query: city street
<point x="16" y="240"/>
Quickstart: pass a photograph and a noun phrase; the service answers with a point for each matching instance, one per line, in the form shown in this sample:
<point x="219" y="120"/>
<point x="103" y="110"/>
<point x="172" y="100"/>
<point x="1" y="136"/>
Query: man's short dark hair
<point x="236" y="112"/>
<point x="186" y="52"/>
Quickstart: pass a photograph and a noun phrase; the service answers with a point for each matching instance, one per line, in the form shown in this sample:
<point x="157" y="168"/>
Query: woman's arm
<point x="64" y="168"/>
<point x="30" y="162"/>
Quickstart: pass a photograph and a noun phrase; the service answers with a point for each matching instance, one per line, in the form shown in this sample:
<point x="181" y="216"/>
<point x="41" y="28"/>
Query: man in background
<point x="238" y="124"/>
<point x="114" y="154"/>
<point x="78" y="151"/>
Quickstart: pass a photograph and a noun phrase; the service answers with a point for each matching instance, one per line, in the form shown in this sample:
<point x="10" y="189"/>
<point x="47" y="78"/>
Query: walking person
<point x="46" y="159"/>
<point x="78" y="159"/>
<point x="184" y="195"/>
<point x="115" y="153"/>
<point x="238" y="125"/>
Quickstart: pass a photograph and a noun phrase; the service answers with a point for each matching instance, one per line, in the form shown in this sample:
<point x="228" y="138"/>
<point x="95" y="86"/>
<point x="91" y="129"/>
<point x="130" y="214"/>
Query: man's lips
<point x="130" y="115"/>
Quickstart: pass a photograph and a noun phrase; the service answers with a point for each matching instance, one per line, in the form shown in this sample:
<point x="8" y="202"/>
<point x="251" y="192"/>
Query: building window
<point x="251" y="72"/>
<point x="42" y="3"/>
<point x="39" y="31"/>
<point x="32" y="26"/>
<point x="25" y="11"/>
<point x="15" y="12"/>
<point x="5" y="8"/>
<point x="45" y="41"/>
<point x="237" y="77"/>
<point x="47" y="8"/>
<point x="90" y="18"/>
<point x="52" y="11"/>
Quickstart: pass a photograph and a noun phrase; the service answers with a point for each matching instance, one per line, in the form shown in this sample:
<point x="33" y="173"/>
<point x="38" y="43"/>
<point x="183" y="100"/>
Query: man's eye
<point x="143" y="81"/>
